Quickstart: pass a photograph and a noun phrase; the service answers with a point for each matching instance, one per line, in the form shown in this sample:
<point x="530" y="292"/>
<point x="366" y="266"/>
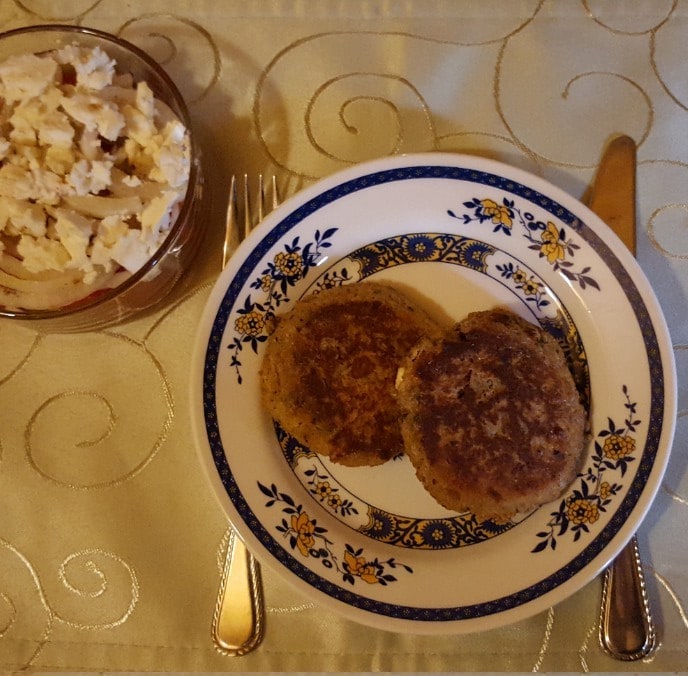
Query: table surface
<point x="111" y="542"/>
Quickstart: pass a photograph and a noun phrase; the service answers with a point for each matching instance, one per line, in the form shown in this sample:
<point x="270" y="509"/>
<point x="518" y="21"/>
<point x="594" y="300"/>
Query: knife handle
<point x="627" y="631"/>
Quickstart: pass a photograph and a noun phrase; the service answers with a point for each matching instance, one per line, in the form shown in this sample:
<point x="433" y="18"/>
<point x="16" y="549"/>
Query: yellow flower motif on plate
<point x="582" y="510"/>
<point x="552" y="245"/>
<point x="323" y="489"/>
<point x="250" y="324"/>
<point x="311" y="540"/>
<point x="618" y="446"/>
<point x="605" y="490"/>
<point x="334" y="500"/>
<point x="290" y="264"/>
<point x="359" y="567"/>
<point x="520" y="276"/>
<point x="543" y="236"/>
<point x="531" y="287"/>
<point x="305" y="532"/>
<point x="498" y="213"/>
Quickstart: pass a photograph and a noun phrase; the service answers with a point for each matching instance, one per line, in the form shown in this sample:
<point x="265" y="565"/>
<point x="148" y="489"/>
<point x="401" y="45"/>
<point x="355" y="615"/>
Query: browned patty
<point x="329" y="370"/>
<point x="493" y="421"/>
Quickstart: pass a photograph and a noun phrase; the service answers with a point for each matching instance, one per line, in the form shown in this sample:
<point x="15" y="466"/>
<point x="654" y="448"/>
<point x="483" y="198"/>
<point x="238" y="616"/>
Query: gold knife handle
<point x="238" y="619"/>
<point x="626" y="628"/>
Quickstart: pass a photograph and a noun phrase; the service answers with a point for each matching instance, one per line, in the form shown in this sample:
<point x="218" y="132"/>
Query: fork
<point x="239" y="615"/>
<point x="263" y="207"/>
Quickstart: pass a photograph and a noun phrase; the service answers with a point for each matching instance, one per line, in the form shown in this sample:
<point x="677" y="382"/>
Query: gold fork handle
<point x="238" y="620"/>
<point x="626" y="628"/>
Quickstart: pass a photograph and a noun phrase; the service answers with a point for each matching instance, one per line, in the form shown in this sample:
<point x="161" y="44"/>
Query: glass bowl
<point x="151" y="283"/>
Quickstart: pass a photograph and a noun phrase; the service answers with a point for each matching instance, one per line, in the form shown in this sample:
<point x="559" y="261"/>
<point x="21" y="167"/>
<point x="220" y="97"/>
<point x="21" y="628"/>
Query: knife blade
<point x="626" y="629"/>
<point x="613" y="192"/>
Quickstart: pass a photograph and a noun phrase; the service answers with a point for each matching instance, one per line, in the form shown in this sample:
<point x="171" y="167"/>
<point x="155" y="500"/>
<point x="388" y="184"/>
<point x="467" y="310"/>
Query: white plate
<point x="462" y="233"/>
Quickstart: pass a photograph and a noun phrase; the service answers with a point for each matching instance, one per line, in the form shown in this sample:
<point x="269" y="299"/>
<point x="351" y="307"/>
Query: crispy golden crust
<point x="492" y="419"/>
<point x="328" y="374"/>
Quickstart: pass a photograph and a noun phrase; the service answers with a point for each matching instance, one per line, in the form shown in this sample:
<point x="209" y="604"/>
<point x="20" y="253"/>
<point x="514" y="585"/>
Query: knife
<point x="626" y="628"/>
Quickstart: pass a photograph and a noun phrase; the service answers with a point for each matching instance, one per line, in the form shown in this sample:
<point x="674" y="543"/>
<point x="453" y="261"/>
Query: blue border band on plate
<point x="489" y="607"/>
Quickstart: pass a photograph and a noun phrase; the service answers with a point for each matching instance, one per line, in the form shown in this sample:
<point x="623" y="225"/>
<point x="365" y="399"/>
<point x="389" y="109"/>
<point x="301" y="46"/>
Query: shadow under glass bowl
<point x="147" y="287"/>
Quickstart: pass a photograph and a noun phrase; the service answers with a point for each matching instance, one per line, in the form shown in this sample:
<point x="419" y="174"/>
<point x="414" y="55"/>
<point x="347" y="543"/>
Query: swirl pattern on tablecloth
<point x="362" y="109"/>
<point x="75" y="428"/>
<point x="50" y="11"/>
<point x="176" y="41"/>
<point x="98" y="590"/>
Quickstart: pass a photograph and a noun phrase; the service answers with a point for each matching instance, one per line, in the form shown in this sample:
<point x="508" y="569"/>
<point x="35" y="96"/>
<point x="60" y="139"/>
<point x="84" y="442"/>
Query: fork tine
<point x="261" y="199"/>
<point x="230" y="225"/>
<point x="247" y="208"/>
<point x="275" y="193"/>
<point x="244" y="213"/>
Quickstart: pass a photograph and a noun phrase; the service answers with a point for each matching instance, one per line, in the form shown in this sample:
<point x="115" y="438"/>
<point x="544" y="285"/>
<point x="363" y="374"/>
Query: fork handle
<point x="238" y="619"/>
<point x="626" y="628"/>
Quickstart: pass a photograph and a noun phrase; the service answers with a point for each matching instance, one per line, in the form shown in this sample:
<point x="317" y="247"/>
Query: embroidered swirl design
<point x="663" y="206"/>
<point x="47" y="10"/>
<point x="97" y="584"/>
<point x="175" y="41"/>
<point x="594" y="86"/>
<point x="99" y="576"/>
<point x="8" y="613"/>
<point x="362" y="108"/>
<point x="69" y="437"/>
<point x="631" y="23"/>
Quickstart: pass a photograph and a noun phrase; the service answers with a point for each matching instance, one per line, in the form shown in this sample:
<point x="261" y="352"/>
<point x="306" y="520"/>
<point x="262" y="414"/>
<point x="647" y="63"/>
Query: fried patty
<point x="329" y="370"/>
<point x="492" y="419"/>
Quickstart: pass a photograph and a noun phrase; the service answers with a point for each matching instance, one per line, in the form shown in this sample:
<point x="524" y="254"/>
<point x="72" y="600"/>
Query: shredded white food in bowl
<point x="93" y="170"/>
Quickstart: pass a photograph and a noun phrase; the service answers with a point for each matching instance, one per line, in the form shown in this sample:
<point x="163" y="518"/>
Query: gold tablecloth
<point x="111" y="542"/>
